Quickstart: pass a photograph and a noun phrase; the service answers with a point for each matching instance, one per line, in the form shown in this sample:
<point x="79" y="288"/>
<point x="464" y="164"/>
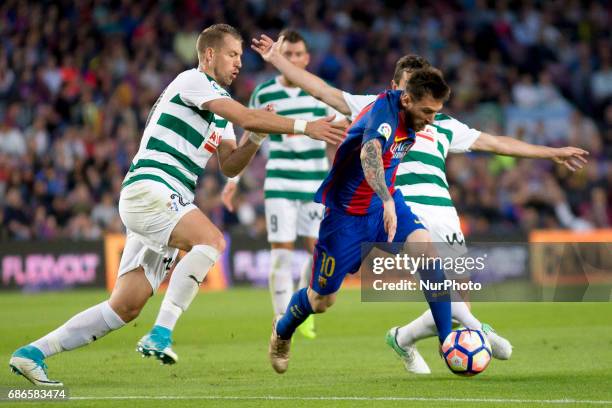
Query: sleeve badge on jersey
<point x="218" y="88"/>
<point x="385" y="130"/>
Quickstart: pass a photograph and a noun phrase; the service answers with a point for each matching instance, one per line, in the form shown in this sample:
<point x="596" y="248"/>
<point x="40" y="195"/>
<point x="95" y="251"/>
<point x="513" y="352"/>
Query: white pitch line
<point x="283" y="398"/>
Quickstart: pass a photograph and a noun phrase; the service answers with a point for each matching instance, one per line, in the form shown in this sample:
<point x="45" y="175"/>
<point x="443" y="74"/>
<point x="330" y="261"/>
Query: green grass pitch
<point x="562" y="356"/>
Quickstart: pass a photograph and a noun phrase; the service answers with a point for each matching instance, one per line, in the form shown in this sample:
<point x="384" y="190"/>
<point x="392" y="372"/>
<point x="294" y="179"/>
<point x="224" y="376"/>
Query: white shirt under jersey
<point x="297" y="164"/>
<point x="421" y="176"/>
<point x="180" y="136"/>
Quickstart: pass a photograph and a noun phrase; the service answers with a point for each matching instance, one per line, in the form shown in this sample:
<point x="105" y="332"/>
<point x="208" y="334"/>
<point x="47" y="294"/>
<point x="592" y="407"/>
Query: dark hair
<point x="293" y="36"/>
<point x="408" y="63"/>
<point x="427" y="81"/>
<point x="212" y="37"/>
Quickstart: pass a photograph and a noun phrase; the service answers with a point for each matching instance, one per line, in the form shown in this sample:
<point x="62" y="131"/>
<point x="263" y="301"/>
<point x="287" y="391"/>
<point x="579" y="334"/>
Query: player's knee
<point x="419" y="244"/>
<point x="217" y="241"/>
<point x="319" y="307"/>
<point x="128" y="312"/>
<point x="331" y="300"/>
<point x="321" y="303"/>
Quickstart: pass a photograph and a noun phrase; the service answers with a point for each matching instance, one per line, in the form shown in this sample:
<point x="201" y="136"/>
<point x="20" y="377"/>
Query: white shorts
<point x="444" y="229"/>
<point x="150" y="211"/>
<point x="287" y="219"/>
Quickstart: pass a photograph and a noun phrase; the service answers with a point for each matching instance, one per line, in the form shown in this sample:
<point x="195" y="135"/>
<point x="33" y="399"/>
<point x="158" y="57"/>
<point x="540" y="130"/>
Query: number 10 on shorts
<point x="328" y="264"/>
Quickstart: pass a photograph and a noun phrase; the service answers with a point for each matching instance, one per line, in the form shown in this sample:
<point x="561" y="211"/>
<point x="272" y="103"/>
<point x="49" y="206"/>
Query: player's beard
<point x="414" y="124"/>
<point x="230" y="78"/>
<point x="224" y="78"/>
<point x="419" y="125"/>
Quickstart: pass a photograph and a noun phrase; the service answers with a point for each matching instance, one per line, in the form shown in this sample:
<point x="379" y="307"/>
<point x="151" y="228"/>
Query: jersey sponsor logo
<point x="400" y="149"/>
<point x="213" y="142"/>
<point x="385" y="130"/>
<point x="456" y="238"/>
<point x="315" y="215"/>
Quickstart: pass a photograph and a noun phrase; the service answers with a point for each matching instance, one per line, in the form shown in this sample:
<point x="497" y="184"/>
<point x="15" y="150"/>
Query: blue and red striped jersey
<point x="345" y="187"/>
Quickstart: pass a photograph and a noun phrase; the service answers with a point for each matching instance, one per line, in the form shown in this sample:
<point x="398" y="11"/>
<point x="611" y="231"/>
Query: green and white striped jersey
<point x="421" y="176"/>
<point x="180" y="136"/>
<point x="297" y="164"/>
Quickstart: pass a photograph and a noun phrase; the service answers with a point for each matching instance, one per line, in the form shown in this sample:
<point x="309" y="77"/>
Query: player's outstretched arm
<point x="374" y="171"/>
<point x="315" y="86"/>
<point x="573" y="158"/>
<point x="259" y="121"/>
<point x="232" y="159"/>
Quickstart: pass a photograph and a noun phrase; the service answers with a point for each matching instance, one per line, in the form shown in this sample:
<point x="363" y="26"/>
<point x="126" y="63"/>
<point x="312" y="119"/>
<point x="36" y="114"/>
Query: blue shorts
<point x="338" y="250"/>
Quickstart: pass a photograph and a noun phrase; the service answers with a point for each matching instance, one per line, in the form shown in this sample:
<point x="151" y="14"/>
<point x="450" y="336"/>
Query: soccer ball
<point x="466" y="352"/>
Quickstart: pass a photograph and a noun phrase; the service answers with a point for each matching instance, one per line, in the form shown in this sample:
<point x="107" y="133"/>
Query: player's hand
<point x="571" y="157"/>
<point x="327" y="130"/>
<point x="390" y="219"/>
<point x="227" y="195"/>
<point x="266" y="47"/>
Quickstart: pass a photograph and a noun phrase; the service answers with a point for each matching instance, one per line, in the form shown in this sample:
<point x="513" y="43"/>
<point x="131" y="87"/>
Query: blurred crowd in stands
<point x="78" y="78"/>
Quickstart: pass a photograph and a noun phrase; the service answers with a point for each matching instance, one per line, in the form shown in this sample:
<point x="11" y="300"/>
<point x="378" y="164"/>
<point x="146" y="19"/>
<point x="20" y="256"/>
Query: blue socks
<point x="439" y="300"/>
<point x="297" y="311"/>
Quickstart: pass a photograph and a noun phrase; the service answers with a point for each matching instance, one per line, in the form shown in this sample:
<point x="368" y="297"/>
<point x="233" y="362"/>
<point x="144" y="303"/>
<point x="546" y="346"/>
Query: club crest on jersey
<point x="213" y="142"/>
<point x="385" y="130"/>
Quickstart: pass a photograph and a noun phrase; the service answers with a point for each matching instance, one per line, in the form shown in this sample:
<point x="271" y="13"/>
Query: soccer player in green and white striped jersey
<point x="296" y="167"/>
<point x="422" y="179"/>
<point x="188" y="124"/>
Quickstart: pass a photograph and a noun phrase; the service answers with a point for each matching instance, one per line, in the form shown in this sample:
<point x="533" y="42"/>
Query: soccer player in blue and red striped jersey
<point x="363" y="206"/>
